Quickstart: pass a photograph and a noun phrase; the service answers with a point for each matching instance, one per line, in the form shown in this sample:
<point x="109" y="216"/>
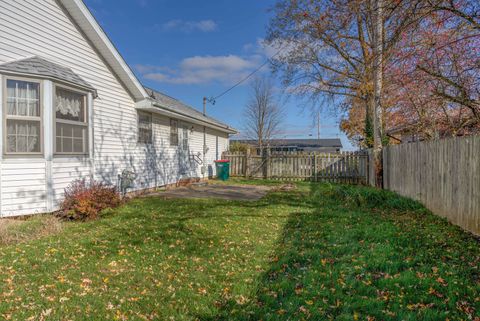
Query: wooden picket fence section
<point x="344" y="167"/>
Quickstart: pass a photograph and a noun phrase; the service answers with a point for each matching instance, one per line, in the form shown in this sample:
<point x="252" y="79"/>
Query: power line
<point x="213" y="99"/>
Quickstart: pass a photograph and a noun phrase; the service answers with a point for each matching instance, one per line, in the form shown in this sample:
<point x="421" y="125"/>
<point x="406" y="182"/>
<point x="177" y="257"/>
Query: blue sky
<point x="189" y="49"/>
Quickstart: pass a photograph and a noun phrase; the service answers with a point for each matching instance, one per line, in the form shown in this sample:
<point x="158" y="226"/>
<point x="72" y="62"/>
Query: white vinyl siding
<point x="23" y="188"/>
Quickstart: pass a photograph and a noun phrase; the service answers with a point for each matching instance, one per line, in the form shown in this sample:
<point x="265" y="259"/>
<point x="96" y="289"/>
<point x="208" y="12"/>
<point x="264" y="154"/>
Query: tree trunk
<point x="369" y="111"/>
<point x="378" y="84"/>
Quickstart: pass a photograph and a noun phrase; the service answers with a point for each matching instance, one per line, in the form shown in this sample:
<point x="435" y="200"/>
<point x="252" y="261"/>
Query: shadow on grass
<point x="167" y="220"/>
<point x="359" y="253"/>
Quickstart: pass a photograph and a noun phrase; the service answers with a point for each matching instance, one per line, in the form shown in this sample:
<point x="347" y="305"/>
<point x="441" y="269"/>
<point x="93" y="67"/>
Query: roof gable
<point x="94" y="32"/>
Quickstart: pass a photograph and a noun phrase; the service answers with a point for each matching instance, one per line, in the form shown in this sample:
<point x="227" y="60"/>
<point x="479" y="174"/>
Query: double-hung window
<point x="185" y="138"/>
<point x="173" y="132"/>
<point x="23" y="117"/>
<point x="71" y="122"/>
<point x="145" y="128"/>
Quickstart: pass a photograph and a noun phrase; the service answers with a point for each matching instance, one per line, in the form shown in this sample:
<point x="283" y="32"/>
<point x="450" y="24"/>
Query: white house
<point x="72" y="108"/>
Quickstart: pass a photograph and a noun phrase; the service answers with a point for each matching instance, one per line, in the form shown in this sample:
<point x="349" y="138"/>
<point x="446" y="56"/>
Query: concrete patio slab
<point x="227" y="192"/>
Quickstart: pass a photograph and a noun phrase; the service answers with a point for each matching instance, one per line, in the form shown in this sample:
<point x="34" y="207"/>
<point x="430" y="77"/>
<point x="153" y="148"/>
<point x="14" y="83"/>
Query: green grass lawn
<point x="319" y="252"/>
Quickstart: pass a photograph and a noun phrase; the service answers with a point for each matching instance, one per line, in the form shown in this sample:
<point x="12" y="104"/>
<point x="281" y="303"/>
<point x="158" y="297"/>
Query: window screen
<point x="173" y="132"/>
<point x="71" y="122"/>
<point x="145" y="128"/>
<point x="23" y="117"/>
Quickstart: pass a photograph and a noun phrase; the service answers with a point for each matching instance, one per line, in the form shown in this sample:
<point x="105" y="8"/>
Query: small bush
<point x="238" y="147"/>
<point x="84" y="201"/>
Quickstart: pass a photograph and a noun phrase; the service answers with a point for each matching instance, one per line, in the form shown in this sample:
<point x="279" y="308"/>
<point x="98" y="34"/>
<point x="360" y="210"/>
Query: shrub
<point x="84" y="201"/>
<point x="238" y="147"/>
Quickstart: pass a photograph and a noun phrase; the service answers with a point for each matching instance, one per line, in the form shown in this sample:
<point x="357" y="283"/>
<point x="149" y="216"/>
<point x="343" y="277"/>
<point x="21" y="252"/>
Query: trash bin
<point x="223" y="169"/>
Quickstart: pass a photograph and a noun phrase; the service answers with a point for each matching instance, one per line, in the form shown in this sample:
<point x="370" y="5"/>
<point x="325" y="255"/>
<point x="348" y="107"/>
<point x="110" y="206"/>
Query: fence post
<point x="315" y="167"/>
<point x="247" y="163"/>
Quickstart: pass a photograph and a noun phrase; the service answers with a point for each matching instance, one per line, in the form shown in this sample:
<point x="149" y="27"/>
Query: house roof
<point x="176" y="106"/>
<point x="36" y="66"/>
<point x="311" y="143"/>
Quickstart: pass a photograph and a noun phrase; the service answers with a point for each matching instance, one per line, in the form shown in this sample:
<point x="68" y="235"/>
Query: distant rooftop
<point x="302" y="143"/>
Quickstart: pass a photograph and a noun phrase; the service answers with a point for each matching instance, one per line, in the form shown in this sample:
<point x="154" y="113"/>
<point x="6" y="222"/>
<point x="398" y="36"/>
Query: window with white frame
<point x="145" y="134"/>
<point x="23" y="117"/>
<point x="173" y="132"/>
<point x="71" y="122"/>
<point x="185" y="138"/>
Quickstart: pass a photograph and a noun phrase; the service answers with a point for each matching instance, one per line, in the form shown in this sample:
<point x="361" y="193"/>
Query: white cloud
<point x="228" y="63"/>
<point x="143" y="69"/>
<point x="273" y="50"/>
<point x="260" y="47"/>
<point x="198" y="70"/>
<point x="202" y="69"/>
<point x="190" y="26"/>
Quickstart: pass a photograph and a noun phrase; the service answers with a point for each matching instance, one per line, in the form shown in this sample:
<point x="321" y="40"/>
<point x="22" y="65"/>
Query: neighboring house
<point x="72" y="108"/>
<point x="404" y="134"/>
<point x="409" y="133"/>
<point x="327" y="145"/>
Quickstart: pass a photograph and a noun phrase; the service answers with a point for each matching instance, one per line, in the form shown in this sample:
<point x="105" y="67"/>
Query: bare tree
<point x="263" y="113"/>
<point x="467" y="10"/>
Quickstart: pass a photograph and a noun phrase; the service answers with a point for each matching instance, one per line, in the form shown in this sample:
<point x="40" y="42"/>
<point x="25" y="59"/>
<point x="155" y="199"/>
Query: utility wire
<point x="213" y="99"/>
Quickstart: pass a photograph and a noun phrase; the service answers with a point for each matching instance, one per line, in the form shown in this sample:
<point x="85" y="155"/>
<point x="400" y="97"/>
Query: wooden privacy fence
<point x="344" y="167"/>
<point x="444" y="175"/>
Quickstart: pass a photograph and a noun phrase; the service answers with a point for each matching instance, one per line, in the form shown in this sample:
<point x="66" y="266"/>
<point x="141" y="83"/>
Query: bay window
<point x="71" y="122"/>
<point x="23" y="117"/>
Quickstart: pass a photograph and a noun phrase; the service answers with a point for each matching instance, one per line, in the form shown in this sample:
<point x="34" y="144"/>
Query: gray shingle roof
<point x="37" y="66"/>
<point x="177" y="106"/>
<point x="324" y="142"/>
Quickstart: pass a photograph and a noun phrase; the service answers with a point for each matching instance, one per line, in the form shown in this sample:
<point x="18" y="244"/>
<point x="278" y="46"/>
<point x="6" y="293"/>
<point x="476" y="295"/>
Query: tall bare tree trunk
<point x="378" y="84"/>
<point x="369" y="115"/>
